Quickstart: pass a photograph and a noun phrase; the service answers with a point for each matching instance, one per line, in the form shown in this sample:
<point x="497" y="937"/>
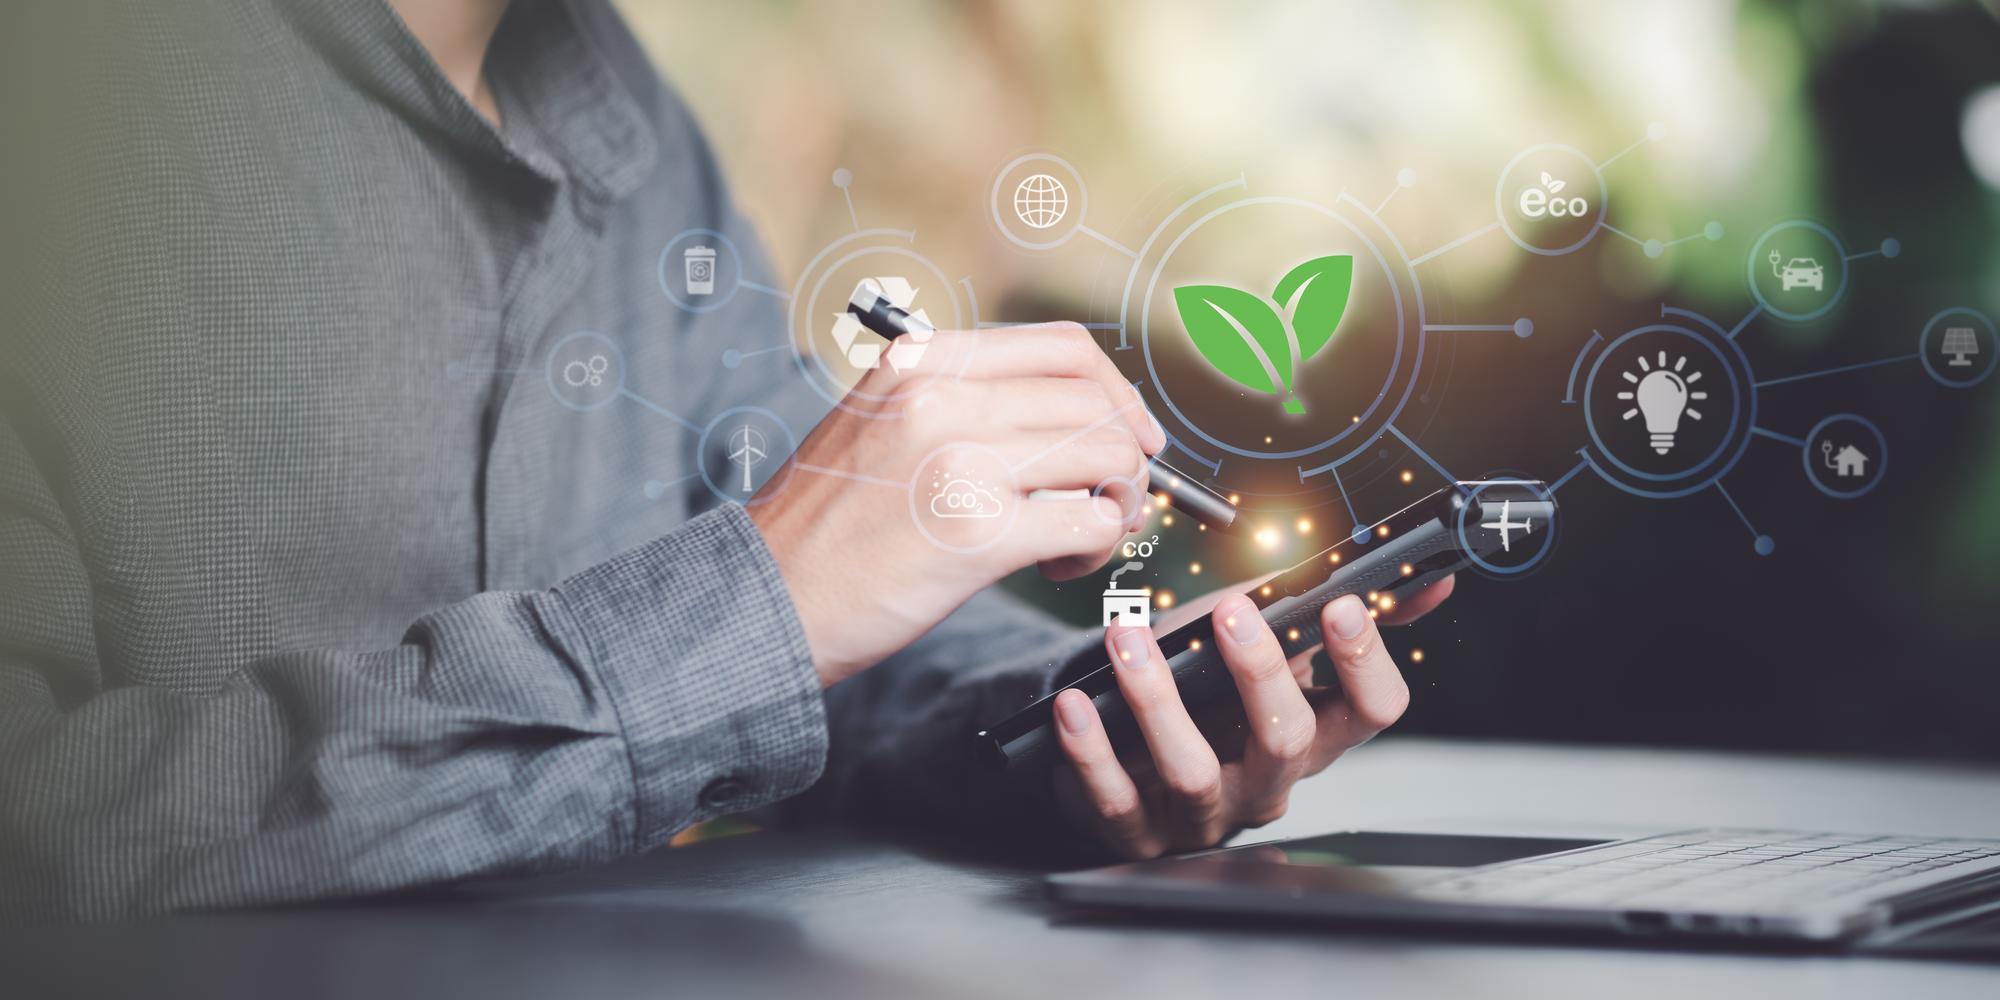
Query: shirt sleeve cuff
<point x="700" y="653"/>
<point x="922" y="774"/>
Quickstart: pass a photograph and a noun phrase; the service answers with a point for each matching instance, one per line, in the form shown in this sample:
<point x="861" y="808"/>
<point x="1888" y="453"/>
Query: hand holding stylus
<point x="876" y="311"/>
<point x="866" y="576"/>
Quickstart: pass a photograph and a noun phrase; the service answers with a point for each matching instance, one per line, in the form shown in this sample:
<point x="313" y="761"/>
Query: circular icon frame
<point x="1930" y="365"/>
<point x="805" y="308"/>
<point x="1010" y="506"/>
<point x="1548" y="534"/>
<point x="1500" y="200"/>
<point x="554" y="373"/>
<point x="1880" y="458"/>
<point x="782" y="477"/>
<point x="1405" y="369"/>
<point x="1713" y="466"/>
<point x="721" y="299"/>
<point x="1131" y="485"/>
<point x="1757" y="257"/>
<point x="1001" y="201"/>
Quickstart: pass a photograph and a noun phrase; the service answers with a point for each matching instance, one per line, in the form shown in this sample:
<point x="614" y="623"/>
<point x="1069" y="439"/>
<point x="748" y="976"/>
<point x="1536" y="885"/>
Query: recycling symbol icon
<point x="904" y="352"/>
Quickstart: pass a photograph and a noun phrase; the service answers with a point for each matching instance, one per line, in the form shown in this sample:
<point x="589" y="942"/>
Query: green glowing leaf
<point x="1246" y="339"/>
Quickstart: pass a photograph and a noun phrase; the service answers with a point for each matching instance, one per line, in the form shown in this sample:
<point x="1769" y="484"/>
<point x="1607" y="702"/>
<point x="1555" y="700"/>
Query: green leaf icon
<point x="1321" y="287"/>
<point x="1243" y="336"/>
<point x="1239" y="333"/>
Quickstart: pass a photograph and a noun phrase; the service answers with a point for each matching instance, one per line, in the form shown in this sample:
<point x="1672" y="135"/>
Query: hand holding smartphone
<point x="1404" y="553"/>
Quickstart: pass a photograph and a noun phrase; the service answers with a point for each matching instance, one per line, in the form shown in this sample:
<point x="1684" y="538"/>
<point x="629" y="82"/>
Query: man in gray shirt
<point x="310" y="587"/>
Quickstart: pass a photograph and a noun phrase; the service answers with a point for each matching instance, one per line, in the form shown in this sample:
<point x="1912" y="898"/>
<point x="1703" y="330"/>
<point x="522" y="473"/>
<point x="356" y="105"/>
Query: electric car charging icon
<point x="1799" y="272"/>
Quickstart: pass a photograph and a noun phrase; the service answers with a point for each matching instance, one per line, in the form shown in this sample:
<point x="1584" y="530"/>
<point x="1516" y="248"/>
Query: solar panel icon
<point x="1961" y="343"/>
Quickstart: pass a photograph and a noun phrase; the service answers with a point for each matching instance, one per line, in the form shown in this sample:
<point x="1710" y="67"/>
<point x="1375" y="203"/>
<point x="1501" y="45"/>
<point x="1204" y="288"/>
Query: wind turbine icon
<point x="1506" y="527"/>
<point x="747" y="449"/>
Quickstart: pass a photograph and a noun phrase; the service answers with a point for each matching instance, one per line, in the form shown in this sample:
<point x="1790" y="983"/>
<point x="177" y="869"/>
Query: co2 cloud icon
<point x="960" y="498"/>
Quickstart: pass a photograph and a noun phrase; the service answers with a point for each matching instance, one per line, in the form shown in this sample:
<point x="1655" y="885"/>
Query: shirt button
<point x="723" y="792"/>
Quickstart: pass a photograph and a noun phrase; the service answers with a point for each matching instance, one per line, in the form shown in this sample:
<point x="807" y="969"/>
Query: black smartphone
<point x="1404" y="553"/>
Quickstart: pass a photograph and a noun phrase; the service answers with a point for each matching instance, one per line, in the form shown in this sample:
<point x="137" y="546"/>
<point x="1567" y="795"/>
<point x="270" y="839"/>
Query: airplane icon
<point x="1506" y="527"/>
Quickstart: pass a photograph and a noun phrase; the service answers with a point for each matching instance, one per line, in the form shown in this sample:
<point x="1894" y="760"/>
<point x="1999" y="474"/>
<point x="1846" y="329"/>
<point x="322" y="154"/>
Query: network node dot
<point x="1406" y="177"/>
<point x="1524" y="328"/>
<point x="1713" y="231"/>
<point x="842" y="177"/>
<point x="1891" y="247"/>
<point x="1654" y="248"/>
<point x="1764" y="545"/>
<point x="1656" y="131"/>
<point x="731" y="358"/>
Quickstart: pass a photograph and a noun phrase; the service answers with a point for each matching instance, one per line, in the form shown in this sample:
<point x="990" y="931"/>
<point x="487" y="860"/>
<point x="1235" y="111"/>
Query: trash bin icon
<point x="700" y="270"/>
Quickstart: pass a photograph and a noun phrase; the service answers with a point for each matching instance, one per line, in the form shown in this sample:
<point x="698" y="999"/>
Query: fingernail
<point x="1069" y="711"/>
<point x="1143" y="408"/>
<point x="1349" y="617"/>
<point x="1132" y="648"/>
<point x="1242" y="625"/>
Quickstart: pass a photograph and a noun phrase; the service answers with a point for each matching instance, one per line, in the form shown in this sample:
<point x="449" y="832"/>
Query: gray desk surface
<point x="831" y="915"/>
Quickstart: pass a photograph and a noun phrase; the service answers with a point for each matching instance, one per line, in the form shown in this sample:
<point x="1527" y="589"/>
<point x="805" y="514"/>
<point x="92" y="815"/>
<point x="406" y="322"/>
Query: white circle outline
<point x="1743" y="413"/>
<point x="804" y="340"/>
<point x="1081" y="207"/>
<point x="785" y="471"/>
<point x="1500" y="200"/>
<point x="1548" y="542"/>
<point x="1757" y="292"/>
<point x="706" y="307"/>
<point x="1992" y="357"/>
<point x="1012" y="502"/>
<point x="617" y="364"/>
<point x="1812" y="471"/>
<point x="1390" y="379"/>
<point x="1138" y="494"/>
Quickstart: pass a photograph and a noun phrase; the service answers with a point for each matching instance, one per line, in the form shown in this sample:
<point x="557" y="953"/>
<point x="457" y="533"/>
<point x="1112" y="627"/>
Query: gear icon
<point x="905" y="352"/>
<point x="586" y="373"/>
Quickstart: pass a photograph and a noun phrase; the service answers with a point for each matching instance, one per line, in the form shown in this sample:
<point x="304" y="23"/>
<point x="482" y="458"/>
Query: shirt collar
<point x="592" y="128"/>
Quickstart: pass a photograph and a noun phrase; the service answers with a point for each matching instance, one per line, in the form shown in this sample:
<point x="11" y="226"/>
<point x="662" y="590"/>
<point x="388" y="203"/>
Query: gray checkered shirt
<point x="308" y="584"/>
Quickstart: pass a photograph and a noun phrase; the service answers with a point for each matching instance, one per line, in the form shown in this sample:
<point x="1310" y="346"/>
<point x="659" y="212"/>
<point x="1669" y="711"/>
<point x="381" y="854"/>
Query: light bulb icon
<point x="1662" y="396"/>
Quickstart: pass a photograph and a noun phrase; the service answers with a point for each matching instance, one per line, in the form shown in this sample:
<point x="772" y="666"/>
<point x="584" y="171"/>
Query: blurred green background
<point x="1872" y="626"/>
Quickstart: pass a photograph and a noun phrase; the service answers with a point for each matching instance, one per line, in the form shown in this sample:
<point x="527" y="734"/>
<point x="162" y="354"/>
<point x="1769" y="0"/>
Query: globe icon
<point x="1041" y="201"/>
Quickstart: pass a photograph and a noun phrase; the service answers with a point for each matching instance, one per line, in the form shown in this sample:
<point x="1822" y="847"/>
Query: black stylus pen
<point x="877" y="313"/>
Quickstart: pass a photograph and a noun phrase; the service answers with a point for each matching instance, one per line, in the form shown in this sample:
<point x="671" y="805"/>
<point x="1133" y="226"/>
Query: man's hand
<point x="1028" y="408"/>
<point x="1177" y="793"/>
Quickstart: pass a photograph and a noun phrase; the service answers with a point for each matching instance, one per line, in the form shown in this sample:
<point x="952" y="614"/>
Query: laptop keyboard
<point x="1723" y="870"/>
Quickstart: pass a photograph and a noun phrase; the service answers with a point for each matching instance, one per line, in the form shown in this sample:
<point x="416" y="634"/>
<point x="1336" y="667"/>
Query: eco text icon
<point x="1245" y="338"/>
<point x="1536" y="202"/>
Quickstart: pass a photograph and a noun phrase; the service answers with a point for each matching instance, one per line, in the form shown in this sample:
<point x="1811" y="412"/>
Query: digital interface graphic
<point x="1308" y="364"/>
